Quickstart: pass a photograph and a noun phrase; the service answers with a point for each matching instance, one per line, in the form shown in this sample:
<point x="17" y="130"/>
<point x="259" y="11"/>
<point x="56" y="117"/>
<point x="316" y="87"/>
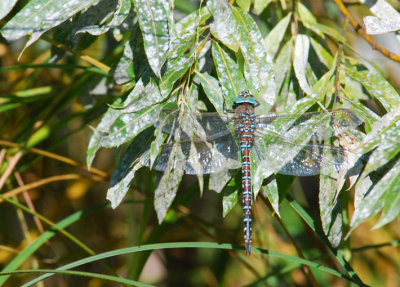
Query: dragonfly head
<point x="245" y="97"/>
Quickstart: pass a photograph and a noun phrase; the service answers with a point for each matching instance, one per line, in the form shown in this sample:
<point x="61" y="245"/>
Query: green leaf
<point x="212" y="89"/>
<point x="329" y="203"/>
<point x="377" y="86"/>
<point x="118" y="127"/>
<point x="154" y="19"/>
<point x="120" y="12"/>
<point x="383" y="195"/>
<point x="260" y="5"/>
<point x="168" y="185"/>
<point x="282" y="65"/>
<point x="258" y="66"/>
<point x="272" y="193"/>
<point x="229" y="75"/>
<point x="224" y="27"/>
<point x="125" y="171"/>
<point x="34" y="22"/>
<point x="231" y="194"/>
<point x="385" y="135"/>
<point x="6" y="7"/>
<point x="300" y="62"/>
<point x="244" y="4"/>
<point x="324" y="56"/>
<point x="273" y="40"/>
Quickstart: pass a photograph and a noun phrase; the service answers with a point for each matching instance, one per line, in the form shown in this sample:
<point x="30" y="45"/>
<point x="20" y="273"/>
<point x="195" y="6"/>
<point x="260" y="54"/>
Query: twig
<point x="361" y="32"/>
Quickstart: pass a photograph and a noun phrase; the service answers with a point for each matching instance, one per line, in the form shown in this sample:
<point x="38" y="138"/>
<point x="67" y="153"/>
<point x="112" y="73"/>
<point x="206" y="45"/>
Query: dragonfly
<point x="284" y="143"/>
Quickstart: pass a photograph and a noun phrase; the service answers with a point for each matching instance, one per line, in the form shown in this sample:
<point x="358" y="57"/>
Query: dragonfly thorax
<point x="245" y="98"/>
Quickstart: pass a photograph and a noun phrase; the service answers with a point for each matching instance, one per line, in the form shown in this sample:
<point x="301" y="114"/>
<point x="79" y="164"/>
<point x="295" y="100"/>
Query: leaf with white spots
<point x="258" y="66"/>
<point x="229" y="74"/>
<point x="6" y="7"/>
<point x="125" y="171"/>
<point x="300" y="62"/>
<point x="154" y="20"/>
<point x="224" y="27"/>
<point x="34" y="20"/>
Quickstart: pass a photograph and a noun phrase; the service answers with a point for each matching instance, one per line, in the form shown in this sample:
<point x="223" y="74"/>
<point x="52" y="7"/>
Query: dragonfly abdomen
<point x="245" y="129"/>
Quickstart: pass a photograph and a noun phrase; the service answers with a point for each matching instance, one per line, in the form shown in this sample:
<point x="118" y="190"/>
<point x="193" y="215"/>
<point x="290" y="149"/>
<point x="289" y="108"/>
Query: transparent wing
<point x="205" y="126"/>
<point x="201" y="157"/>
<point x="323" y="124"/>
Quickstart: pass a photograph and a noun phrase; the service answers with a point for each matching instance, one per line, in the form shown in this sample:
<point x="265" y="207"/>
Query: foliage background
<point x="63" y="65"/>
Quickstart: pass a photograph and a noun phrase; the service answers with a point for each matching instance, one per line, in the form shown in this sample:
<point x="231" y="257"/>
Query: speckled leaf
<point x="154" y="19"/>
<point x="218" y="180"/>
<point x="124" y="71"/>
<point x="117" y="127"/>
<point x="113" y="19"/>
<point x="385" y="135"/>
<point x="329" y="203"/>
<point x="224" y="27"/>
<point x="273" y="40"/>
<point x="272" y="193"/>
<point x="258" y="66"/>
<point x="282" y="65"/>
<point x="231" y="194"/>
<point x="6" y="7"/>
<point x="374" y="26"/>
<point x="169" y="182"/>
<point x="388" y="19"/>
<point x="212" y="89"/>
<point x="39" y="16"/>
<point x="324" y="56"/>
<point x="125" y="171"/>
<point x="300" y="61"/>
<point x="383" y="195"/>
<point x="155" y="92"/>
<point x="377" y="86"/>
<point x="229" y="75"/>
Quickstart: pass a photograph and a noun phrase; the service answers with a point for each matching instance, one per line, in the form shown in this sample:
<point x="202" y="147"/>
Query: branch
<point x="361" y="32"/>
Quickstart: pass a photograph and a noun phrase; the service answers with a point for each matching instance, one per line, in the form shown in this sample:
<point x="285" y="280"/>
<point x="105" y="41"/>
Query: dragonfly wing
<point x="200" y="157"/>
<point x="322" y="124"/>
<point x="205" y="126"/>
<point x="296" y="152"/>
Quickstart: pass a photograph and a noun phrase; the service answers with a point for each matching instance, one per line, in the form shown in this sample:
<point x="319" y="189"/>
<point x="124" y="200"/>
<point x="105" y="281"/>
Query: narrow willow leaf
<point x="258" y="66"/>
<point x="282" y="66"/>
<point x="271" y="192"/>
<point x="375" y="26"/>
<point x="274" y="38"/>
<point x="244" y="4"/>
<point x="155" y="92"/>
<point x="229" y="75"/>
<point x="324" y="56"/>
<point x="224" y="27"/>
<point x="127" y="167"/>
<point x="260" y="5"/>
<point x="300" y="61"/>
<point x="385" y="135"/>
<point x="168" y="185"/>
<point x="218" y="180"/>
<point x="117" y="127"/>
<point x="187" y="26"/>
<point x="212" y="89"/>
<point x="34" y="22"/>
<point x="153" y="16"/>
<point x="231" y="194"/>
<point x="378" y="197"/>
<point x="124" y="71"/>
<point x="329" y="204"/>
<point x="6" y="7"/>
<point x="120" y="12"/>
<point x="377" y="86"/>
<point x="383" y="10"/>
<point x="391" y="208"/>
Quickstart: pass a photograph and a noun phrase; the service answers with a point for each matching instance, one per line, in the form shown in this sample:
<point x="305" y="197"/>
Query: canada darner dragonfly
<point x="284" y="143"/>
